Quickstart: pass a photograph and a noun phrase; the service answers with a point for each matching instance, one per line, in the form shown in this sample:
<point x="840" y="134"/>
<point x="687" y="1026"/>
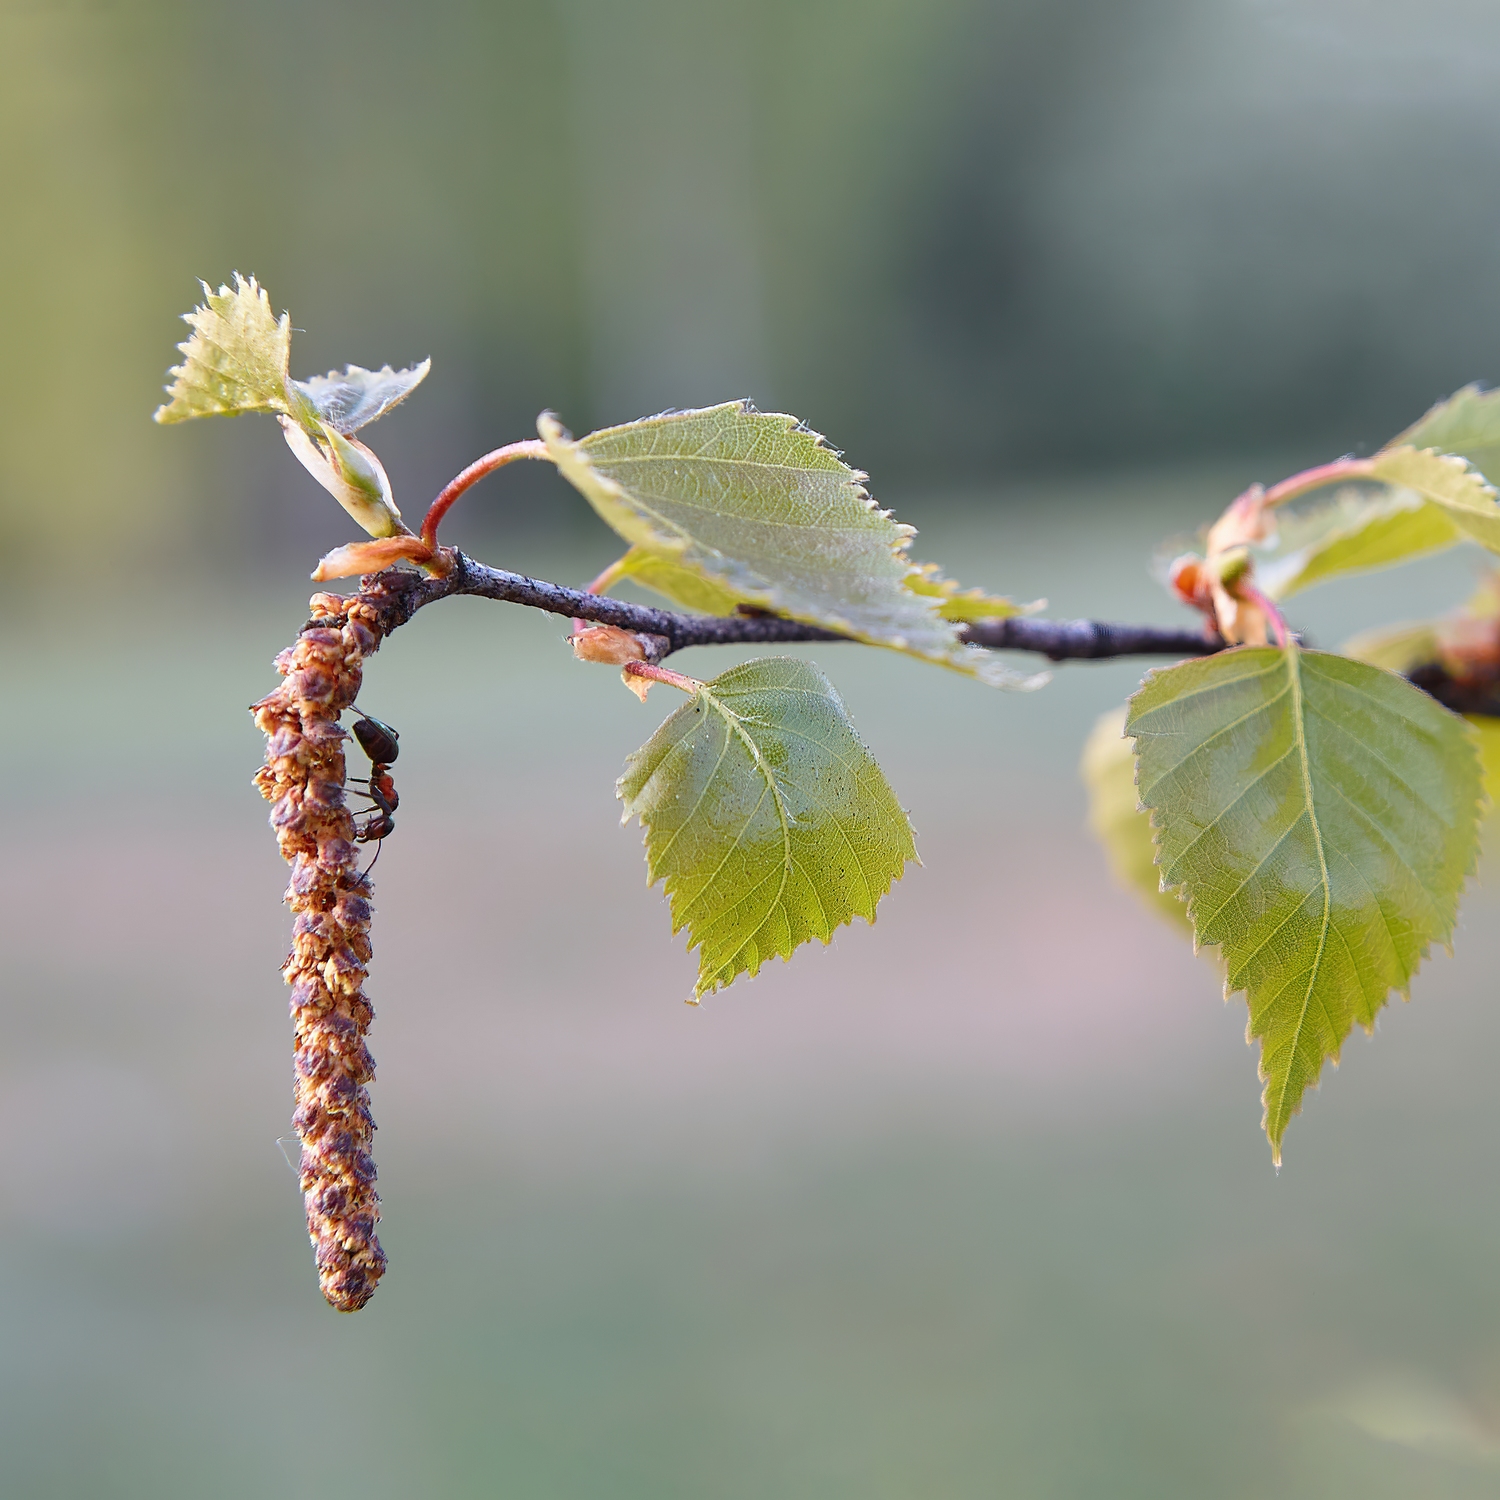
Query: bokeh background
<point x="971" y="1204"/>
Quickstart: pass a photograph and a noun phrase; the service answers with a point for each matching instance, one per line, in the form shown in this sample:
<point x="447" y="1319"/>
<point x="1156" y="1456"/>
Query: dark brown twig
<point x="401" y="594"/>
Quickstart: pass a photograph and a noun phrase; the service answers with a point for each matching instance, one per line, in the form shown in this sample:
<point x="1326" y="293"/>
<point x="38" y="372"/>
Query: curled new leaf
<point x="1467" y="423"/>
<point x="350" y="472"/>
<point x="236" y="359"/>
<point x="765" y="816"/>
<point x="1320" y="816"/>
<point x="1449" y="482"/>
<point x="355" y="398"/>
<point x="762" y="509"/>
<point x="1354" y="533"/>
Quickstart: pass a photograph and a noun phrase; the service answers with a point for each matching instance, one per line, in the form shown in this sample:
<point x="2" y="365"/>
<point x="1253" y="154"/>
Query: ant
<point x="381" y="743"/>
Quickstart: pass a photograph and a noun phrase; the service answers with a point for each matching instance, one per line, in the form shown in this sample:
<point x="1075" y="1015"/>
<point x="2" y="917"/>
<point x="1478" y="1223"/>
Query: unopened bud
<point x="608" y="644"/>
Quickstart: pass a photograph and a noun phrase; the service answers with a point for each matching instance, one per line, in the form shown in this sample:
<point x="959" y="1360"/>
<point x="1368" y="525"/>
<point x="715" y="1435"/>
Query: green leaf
<point x="960" y="604"/>
<point x="686" y="586"/>
<point x="765" y="816"/>
<point x="1320" y="815"/>
<point x="349" y="471"/>
<point x="1448" y="481"/>
<point x="1354" y="534"/>
<point x="1467" y="423"/>
<point x="1487" y="728"/>
<point x="763" y="509"/>
<point x="1396" y="648"/>
<point x="236" y="359"/>
<point x="351" y="400"/>
<point x="1119" y="821"/>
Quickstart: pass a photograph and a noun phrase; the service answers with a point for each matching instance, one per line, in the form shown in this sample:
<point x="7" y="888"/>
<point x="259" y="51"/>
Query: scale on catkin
<point x="304" y="778"/>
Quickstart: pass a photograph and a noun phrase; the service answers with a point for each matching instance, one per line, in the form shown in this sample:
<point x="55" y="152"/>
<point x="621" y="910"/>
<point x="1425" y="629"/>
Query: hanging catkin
<point x="303" y="777"/>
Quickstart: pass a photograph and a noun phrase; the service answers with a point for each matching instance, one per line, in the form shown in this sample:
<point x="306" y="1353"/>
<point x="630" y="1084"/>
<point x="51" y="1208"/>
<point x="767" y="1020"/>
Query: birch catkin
<point x="303" y="777"/>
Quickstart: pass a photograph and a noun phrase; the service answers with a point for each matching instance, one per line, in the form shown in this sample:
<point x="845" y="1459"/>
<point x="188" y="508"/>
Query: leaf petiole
<point x="1316" y="478"/>
<point x="527" y="448"/>
<point x="662" y="674"/>
<point x="1273" y="615"/>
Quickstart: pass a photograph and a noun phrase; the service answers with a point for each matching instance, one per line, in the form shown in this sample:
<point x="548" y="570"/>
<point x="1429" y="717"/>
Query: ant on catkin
<point x="381" y="743"/>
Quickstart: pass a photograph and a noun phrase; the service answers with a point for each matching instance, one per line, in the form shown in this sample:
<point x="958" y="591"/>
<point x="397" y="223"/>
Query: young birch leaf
<point x="1487" y="730"/>
<point x="350" y="472"/>
<point x="689" y="588"/>
<point x="765" y="816"/>
<point x="1467" y="423"/>
<point x="236" y="359"/>
<point x="1449" y="482"/>
<point x="664" y="575"/>
<point x="761" y="507"/>
<point x="346" y="402"/>
<point x="1321" y="817"/>
<point x="1119" y="821"/>
<point x="1355" y="533"/>
<point x="962" y="605"/>
<point x="1396" y="648"/>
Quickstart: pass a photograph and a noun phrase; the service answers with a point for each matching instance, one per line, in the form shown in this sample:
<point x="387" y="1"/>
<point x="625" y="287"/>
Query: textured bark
<point x="303" y="777"/>
<point x="403" y="594"/>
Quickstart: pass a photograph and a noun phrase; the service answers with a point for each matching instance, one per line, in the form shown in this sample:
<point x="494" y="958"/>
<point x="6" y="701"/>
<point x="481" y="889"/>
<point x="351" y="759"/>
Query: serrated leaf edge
<point x="203" y="313"/>
<point x="575" y="465"/>
<point x="1230" y="990"/>
<point x="709" y="984"/>
<point x="420" y="371"/>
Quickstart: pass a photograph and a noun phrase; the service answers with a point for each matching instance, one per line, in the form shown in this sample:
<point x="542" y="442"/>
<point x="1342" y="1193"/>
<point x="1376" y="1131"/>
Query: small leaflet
<point x="236" y="359"/>
<point x="351" y="400"/>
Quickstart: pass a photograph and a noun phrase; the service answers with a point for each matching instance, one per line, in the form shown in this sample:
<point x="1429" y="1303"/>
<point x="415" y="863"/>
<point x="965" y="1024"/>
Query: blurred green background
<point x="972" y="1204"/>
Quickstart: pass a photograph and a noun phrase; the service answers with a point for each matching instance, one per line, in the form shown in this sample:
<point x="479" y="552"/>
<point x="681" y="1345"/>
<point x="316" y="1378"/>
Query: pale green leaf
<point x="1397" y="648"/>
<point x="1119" y="821"/>
<point x="686" y="586"/>
<point x="1467" y="423"/>
<point x="236" y="359"/>
<point x="1321" y="817"/>
<point x="960" y="604"/>
<point x="1487" y="728"/>
<point x="663" y="574"/>
<point x="1354" y="533"/>
<point x="765" y="510"/>
<point x="349" y="471"/>
<point x="765" y="816"/>
<point x="351" y="400"/>
<point x="1448" y="481"/>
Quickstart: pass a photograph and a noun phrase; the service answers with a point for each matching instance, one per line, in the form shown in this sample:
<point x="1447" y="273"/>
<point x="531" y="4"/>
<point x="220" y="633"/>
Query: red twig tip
<point x="1316" y="478"/>
<point x="530" y="448"/>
